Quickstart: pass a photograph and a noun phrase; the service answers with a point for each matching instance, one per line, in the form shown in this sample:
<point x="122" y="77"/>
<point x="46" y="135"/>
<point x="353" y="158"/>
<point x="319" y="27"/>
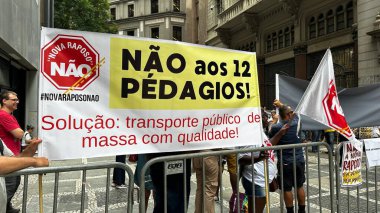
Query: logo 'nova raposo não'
<point x="69" y="62"/>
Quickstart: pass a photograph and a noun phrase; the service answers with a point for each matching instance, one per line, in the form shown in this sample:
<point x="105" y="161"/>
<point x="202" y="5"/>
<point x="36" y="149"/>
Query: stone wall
<point x="369" y="65"/>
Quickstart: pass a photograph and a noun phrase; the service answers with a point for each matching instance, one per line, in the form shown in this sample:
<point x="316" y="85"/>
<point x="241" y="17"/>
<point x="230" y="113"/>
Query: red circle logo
<point x="69" y="62"/>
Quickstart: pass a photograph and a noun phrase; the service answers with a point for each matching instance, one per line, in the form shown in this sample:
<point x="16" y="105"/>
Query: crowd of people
<point x="279" y="130"/>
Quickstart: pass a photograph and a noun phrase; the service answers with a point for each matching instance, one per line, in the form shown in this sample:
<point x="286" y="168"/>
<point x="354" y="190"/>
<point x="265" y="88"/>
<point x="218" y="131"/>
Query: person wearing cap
<point x="287" y="117"/>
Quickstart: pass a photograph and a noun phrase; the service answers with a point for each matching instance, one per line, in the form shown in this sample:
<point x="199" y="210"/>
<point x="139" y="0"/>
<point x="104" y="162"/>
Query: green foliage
<point x="85" y="15"/>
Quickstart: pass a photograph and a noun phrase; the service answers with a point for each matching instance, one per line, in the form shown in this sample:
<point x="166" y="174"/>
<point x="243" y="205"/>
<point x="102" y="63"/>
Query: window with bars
<point x="287" y="37"/>
<point x="312" y="28"/>
<point x="321" y="25"/>
<point x="251" y="47"/>
<point x="274" y="41"/>
<point x="330" y="21"/>
<point x="336" y="19"/>
<point x="269" y="44"/>
<point x="154" y="6"/>
<point x="350" y="14"/>
<point x="113" y="13"/>
<point x="129" y="32"/>
<point x="280" y="39"/>
<point x="177" y="33"/>
<point x="131" y="10"/>
<point x="176" y="5"/>
<point x="339" y="18"/>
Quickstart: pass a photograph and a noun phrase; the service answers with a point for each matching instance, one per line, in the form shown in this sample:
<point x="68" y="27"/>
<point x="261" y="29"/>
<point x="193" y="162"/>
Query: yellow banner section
<point x="148" y="74"/>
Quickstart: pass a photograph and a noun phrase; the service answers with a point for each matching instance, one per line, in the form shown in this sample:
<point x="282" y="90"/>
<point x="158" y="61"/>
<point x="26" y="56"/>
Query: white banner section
<point x="372" y="150"/>
<point x="351" y="174"/>
<point x="105" y="94"/>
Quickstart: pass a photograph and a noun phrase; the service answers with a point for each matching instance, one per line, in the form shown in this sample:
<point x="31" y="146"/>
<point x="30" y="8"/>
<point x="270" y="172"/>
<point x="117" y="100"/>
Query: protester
<point x="258" y="173"/>
<point x="175" y="184"/>
<point x="273" y="120"/>
<point x="231" y="168"/>
<point x="149" y="188"/>
<point x="291" y="137"/>
<point x="27" y="137"/>
<point x="205" y="195"/>
<point x="119" y="174"/>
<point x="329" y="138"/>
<point x="9" y="164"/>
<point x="316" y="137"/>
<point x="11" y="133"/>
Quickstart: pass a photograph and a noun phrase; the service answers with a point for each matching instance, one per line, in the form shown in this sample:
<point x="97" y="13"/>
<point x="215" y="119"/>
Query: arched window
<point x="339" y="18"/>
<point x="312" y="28"/>
<point x="321" y="25"/>
<point x="287" y="37"/>
<point x="330" y="21"/>
<point x="280" y="39"/>
<point x="350" y="14"/>
<point x="269" y="44"/>
<point x="274" y="39"/>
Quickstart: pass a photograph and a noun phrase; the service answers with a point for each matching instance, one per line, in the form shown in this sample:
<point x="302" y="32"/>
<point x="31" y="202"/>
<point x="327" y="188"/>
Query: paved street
<point x="70" y="188"/>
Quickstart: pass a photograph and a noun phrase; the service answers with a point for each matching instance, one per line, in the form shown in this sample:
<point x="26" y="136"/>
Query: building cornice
<point x="224" y="35"/>
<point x="292" y="7"/>
<point x="251" y="22"/>
<point x="150" y="16"/>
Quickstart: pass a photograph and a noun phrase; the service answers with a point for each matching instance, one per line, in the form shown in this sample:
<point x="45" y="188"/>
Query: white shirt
<point x="3" y="191"/>
<point x="26" y="137"/>
<point x="375" y="132"/>
<point x="259" y="166"/>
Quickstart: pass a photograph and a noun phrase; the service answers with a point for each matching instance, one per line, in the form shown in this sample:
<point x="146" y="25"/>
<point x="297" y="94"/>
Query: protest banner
<point x="351" y="164"/>
<point x="372" y="151"/>
<point x="104" y="94"/>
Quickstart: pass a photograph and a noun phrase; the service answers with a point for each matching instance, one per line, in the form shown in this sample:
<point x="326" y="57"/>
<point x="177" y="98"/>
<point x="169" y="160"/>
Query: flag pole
<point x="266" y="185"/>
<point x="41" y="202"/>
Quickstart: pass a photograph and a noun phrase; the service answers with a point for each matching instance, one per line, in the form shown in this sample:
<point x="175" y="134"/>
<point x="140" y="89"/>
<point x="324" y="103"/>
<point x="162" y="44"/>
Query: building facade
<point x="19" y="42"/>
<point x="291" y="36"/>
<point x="177" y="20"/>
<point x="153" y="19"/>
<point x="368" y="41"/>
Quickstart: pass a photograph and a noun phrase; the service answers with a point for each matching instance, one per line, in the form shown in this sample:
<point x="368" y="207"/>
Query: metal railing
<point x="279" y="149"/>
<point x="84" y="168"/>
<point x="323" y="196"/>
<point x="367" y="191"/>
